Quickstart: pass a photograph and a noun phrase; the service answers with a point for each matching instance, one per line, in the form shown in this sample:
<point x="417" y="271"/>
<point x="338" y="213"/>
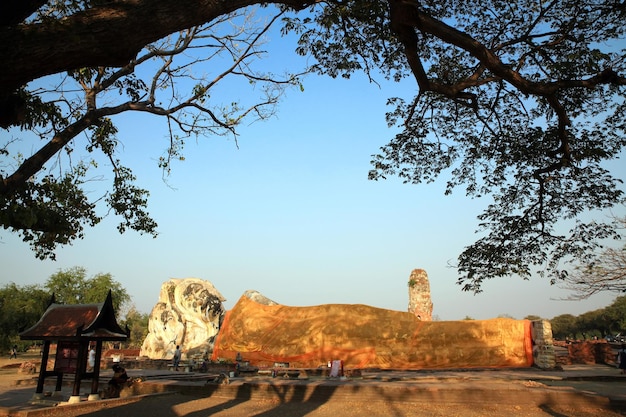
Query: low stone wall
<point x="164" y="364"/>
<point x="135" y="363"/>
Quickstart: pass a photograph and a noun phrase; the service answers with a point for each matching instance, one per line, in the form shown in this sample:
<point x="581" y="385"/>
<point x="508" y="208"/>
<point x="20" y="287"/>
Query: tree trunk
<point x="108" y="35"/>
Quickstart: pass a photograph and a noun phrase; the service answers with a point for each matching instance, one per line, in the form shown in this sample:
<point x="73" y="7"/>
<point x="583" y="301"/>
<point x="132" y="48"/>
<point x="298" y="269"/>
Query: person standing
<point x="91" y="359"/>
<point x="177" y="355"/>
<point x="13" y="352"/>
<point x="621" y="359"/>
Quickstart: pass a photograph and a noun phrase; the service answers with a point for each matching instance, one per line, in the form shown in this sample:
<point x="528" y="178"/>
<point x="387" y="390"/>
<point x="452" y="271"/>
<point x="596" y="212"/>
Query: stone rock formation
<point x="420" y="303"/>
<point x="189" y="313"/>
<point x="257" y="297"/>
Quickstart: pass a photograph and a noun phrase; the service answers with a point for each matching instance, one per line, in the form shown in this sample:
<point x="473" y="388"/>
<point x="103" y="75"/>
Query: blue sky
<point x="289" y="212"/>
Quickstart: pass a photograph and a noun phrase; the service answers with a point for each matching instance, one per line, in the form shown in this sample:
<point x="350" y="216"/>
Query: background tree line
<point x="605" y="322"/>
<point x="22" y="306"/>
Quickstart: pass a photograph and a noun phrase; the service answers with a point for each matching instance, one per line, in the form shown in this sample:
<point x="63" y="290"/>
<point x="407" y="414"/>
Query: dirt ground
<point x="180" y="405"/>
<point x="176" y="405"/>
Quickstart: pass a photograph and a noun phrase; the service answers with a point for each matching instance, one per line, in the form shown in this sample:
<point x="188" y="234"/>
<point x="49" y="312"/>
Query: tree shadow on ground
<point x="246" y="400"/>
<point x="549" y="411"/>
<point x="277" y="400"/>
<point x="301" y="403"/>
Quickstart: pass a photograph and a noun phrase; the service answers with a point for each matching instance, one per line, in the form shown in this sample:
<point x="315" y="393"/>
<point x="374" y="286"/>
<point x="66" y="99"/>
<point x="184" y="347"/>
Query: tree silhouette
<point x="520" y="102"/>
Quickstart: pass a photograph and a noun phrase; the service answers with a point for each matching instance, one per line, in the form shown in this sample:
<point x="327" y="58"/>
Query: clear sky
<point x="290" y="213"/>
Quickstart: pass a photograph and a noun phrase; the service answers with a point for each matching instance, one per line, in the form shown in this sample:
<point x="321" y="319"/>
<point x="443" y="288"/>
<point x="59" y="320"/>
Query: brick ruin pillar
<point x="543" y="347"/>
<point x="420" y="302"/>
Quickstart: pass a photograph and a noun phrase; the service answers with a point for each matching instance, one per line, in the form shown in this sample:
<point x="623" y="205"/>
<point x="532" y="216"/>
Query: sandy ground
<point x="180" y="405"/>
<point x="177" y="405"/>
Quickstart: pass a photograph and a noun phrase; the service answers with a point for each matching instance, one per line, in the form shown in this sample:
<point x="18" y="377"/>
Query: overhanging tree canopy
<point x="522" y="101"/>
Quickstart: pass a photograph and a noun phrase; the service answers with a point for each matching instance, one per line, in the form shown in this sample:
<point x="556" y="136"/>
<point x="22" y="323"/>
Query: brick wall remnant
<point x="420" y="303"/>
<point x="544" y="355"/>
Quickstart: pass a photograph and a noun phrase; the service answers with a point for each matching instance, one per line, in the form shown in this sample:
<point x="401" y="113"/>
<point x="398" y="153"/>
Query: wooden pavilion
<point x="74" y="328"/>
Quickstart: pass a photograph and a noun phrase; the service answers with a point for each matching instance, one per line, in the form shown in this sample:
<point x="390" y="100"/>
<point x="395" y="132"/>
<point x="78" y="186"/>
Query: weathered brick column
<point x="543" y="346"/>
<point x="420" y="302"/>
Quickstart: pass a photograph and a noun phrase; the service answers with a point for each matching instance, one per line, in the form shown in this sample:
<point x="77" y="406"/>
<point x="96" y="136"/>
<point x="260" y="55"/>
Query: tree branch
<point x="13" y="12"/>
<point x="91" y="38"/>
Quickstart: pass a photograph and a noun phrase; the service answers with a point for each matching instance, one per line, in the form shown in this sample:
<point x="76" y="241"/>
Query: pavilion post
<point x="43" y="368"/>
<point x="96" y="369"/>
<point x="80" y="368"/>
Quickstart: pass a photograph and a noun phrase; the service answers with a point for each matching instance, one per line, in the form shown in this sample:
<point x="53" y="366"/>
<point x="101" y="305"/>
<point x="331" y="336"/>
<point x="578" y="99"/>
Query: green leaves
<point x="172" y="79"/>
<point x="521" y="101"/>
<point x="502" y="107"/>
<point x="48" y="212"/>
<point x="72" y="286"/>
<point x="130" y="202"/>
<point x="603" y="322"/>
<point x="20" y="308"/>
<point x="131" y="86"/>
<point x="103" y="137"/>
<point x="349" y="36"/>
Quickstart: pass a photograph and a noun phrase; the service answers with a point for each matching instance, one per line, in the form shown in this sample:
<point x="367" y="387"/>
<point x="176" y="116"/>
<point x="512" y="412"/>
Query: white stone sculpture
<point x="189" y="313"/>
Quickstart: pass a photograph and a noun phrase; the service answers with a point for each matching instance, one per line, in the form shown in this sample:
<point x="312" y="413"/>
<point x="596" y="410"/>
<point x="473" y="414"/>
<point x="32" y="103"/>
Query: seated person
<point x="119" y="380"/>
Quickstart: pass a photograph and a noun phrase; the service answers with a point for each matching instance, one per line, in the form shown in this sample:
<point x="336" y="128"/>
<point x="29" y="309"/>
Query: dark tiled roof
<point x="79" y="321"/>
<point x="63" y="321"/>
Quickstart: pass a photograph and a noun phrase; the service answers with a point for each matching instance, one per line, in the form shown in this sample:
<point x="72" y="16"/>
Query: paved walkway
<point x="598" y="385"/>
